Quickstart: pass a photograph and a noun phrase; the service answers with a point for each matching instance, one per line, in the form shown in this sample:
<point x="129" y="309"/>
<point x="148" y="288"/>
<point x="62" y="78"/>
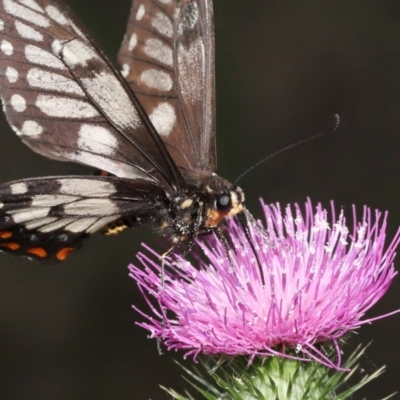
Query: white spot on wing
<point x="56" y="47"/>
<point x="81" y="225"/>
<point x="19" y="188"/>
<point x="51" y="200"/>
<point x="190" y="16"/>
<point x="132" y="42"/>
<point x="27" y="32"/>
<point x="96" y="139"/>
<point x="108" y="93"/>
<point x="156" y="79"/>
<point x="86" y="207"/>
<point x="31" y="128"/>
<point x="56" y="15"/>
<point x="25" y="13"/>
<point x="6" y="47"/>
<point x="165" y="1"/>
<point x="1" y="24"/>
<point x="77" y="53"/>
<point x="29" y="214"/>
<point x="162" y="24"/>
<point x="32" y="4"/>
<point x="125" y="70"/>
<point x="140" y="12"/>
<point x="55" y="226"/>
<point x="191" y="70"/>
<point x="1" y="204"/>
<point x="37" y="223"/>
<point x="16" y="130"/>
<point x="43" y="79"/>
<point x="86" y="187"/>
<point x="11" y="74"/>
<point x="101" y="222"/>
<point x="64" y="107"/>
<point x="123" y="170"/>
<point x="156" y="49"/>
<point x="39" y="56"/>
<point x="18" y="103"/>
<point x="163" y="118"/>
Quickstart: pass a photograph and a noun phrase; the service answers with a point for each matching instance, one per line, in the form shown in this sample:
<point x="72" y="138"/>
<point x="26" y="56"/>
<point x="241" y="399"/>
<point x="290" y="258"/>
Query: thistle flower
<point x="301" y="279"/>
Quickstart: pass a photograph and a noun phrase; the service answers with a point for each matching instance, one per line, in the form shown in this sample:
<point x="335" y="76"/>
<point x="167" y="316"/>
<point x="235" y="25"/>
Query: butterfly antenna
<point x="291" y="146"/>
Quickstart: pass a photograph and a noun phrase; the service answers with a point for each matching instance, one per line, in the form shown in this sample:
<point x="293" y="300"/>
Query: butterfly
<point x="149" y="127"/>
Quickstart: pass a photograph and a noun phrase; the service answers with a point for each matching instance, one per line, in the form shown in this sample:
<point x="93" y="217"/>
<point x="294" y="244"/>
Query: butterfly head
<point x="206" y="202"/>
<point x="222" y="204"/>
<point x="226" y="204"/>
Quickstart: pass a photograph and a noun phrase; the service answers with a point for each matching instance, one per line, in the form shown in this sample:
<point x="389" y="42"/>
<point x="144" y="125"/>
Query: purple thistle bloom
<point x="302" y="279"/>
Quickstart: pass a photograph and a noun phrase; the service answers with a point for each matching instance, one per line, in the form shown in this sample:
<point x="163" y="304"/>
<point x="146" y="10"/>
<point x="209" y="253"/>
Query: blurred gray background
<point x="283" y="70"/>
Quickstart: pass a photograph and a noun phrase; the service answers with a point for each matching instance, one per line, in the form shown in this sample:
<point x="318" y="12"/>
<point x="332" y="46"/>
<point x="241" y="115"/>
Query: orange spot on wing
<point x="37" y="251"/>
<point x="5" y="234"/>
<point x="11" y="246"/>
<point x="63" y="253"/>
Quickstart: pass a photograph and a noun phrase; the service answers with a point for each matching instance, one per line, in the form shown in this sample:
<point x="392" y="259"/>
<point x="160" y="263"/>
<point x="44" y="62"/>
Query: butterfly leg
<point x="162" y="277"/>
<point x="162" y="259"/>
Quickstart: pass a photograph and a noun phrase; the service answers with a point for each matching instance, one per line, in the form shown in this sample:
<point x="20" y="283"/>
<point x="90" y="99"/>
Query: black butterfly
<point x="153" y="132"/>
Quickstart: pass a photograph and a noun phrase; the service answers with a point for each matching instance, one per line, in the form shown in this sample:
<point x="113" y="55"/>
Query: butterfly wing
<point x="46" y="218"/>
<point x="167" y="57"/>
<point x="63" y="98"/>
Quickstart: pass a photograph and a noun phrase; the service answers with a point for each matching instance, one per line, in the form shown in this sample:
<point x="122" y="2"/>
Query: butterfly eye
<point x="224" y="203"/>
